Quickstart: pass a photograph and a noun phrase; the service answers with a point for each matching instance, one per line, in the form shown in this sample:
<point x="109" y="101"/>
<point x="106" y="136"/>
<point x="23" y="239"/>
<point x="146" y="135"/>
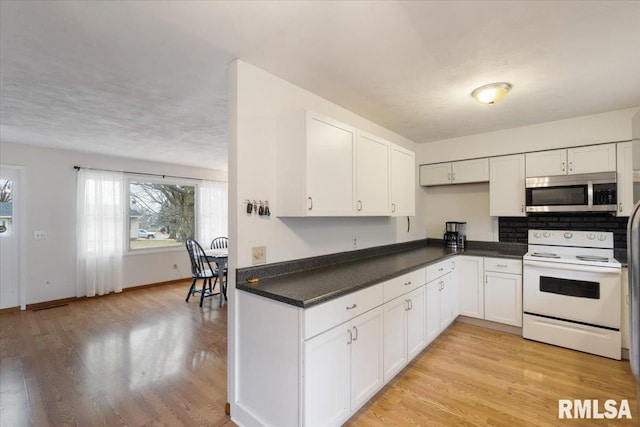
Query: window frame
<point x="156" y="180"/>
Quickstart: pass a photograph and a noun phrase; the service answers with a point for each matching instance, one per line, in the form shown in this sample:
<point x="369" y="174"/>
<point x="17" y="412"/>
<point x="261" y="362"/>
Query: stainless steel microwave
<point x="593" y="192"/>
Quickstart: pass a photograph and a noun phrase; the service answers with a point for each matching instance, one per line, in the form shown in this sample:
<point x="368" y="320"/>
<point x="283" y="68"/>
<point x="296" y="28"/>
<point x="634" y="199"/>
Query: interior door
<point x="9" y="238"/>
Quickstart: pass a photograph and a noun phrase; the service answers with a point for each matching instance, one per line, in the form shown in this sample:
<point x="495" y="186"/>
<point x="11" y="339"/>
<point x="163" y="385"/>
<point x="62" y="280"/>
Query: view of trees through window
<point x="160" y="215"/>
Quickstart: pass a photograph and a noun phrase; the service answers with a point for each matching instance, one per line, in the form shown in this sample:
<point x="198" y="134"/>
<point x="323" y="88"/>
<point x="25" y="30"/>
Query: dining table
<point x="221" y="258"/>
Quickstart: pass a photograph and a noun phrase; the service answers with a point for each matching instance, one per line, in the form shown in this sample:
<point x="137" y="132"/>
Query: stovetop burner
<point x="545" y="255"/>
<point x="592" y="258"/>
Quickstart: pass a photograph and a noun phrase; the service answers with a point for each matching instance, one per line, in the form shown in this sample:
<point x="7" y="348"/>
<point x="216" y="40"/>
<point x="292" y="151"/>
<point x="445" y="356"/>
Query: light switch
<point x="258" y="255"/>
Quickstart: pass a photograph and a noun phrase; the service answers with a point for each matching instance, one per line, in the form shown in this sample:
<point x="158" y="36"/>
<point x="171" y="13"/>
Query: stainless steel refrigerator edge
<point x="633" y="254"/>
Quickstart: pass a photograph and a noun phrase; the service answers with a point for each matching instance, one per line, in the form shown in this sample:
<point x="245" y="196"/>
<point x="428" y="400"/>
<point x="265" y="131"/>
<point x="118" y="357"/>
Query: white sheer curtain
<point x="212" y="211"/>
<point x="100" y="232"/>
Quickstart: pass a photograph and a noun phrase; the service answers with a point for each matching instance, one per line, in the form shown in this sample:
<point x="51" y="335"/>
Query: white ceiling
<point x="148" y="79"/>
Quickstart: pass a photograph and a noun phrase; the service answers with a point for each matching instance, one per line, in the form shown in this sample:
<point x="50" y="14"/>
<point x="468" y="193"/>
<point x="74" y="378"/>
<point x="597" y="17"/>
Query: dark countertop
<point x="313" y="286"/>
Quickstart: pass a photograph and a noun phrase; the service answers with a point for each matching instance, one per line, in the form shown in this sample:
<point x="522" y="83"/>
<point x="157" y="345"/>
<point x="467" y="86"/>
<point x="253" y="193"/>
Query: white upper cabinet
<point x="476" y="170"/>
<point x="315" y="163"/>
<point x="589" y="159"/>
<point x="506" y="186"/>
<point x="625" y="178"/>
<point x="546" y="163"/>
<point x="465" y="171"/>
<point x="372" y="175"/>
<point x="593" y="158"/>
<point x="403" y="182"/>
<point x="327" y="168"/>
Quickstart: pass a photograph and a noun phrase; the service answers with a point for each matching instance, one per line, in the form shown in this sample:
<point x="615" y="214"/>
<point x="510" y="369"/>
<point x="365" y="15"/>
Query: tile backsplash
<point x="514" y="229"/>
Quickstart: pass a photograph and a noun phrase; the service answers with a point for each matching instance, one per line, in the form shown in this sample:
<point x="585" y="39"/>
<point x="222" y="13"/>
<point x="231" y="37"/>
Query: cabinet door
<point x="416" y="322"/>
<point x="506" y="186"/>
<point x="476" y="170"/>
<point x="624" y="324"/>
<point x="366" y="356"/>
<point x="625" y="178"/>
<point x="471" y="287"/>
<point x="546" y="163"/>
<point x="503" y="298"/>
<point x="433" y="310"/>
<point x="403" y="182"/>
<point x="446" y="295"/>
<point x="455" y="290"/>
<point x="437" y="174"/>
<point x="372" y="172"/>
<point x="330" y="167"/>
<point x="593" y="158"/>
<point x="327" y="377"/>
<point x="395" y="336"/>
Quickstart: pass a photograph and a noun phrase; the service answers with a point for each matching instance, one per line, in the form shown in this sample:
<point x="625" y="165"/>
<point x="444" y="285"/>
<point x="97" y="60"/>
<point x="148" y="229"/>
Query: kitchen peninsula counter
<point x="313" y="281"/>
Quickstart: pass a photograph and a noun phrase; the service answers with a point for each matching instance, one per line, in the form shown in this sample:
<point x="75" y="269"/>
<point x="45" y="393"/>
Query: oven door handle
<point x="574" y="267"/>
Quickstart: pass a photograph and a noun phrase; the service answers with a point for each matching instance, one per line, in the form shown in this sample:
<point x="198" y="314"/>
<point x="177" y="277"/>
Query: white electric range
<point x="571" y="291"/>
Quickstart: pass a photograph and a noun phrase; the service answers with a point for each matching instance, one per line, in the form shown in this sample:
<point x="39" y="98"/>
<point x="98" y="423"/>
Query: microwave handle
<point x="590" y="193"/>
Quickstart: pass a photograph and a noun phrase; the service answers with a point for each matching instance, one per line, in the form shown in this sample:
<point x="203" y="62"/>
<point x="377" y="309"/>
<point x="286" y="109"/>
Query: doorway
<point x="11" y="291"/>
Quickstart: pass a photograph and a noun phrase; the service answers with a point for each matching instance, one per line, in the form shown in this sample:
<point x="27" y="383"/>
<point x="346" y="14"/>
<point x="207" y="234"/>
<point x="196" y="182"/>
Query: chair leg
<point x="204" y="287"/>
<point x="193" y="285"/>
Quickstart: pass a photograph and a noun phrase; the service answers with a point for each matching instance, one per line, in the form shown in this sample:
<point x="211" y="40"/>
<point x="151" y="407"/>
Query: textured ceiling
<point x="148" y="79"/>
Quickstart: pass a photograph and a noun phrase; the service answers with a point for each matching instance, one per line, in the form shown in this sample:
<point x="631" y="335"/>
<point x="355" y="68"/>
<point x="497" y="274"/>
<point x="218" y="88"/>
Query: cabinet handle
<point x="359" y="205"/>
<point x="407" y="306"/>
<point x="441" y="287"/>
<point x="352" y="306"/>
<point x="310" y="203"/>
<point x="407" y="283"/>
<point x="410" y="304"/>
<point x="453" y="177"/>
<point x="620" y="205"/>
<point x="393" y="207"/>
<point x="521" y="208"/>
<point x="449" y="177"/>
<point x="355" y="338"/>
<point x="570" y="166"/>
<point x="453" y="265"/>
<point x="502" y="265"/>
<point x="441" y="269"/>
<point x="563" y="167"/>
<point x="486" y="278"/>
<point x="350" y="337"/>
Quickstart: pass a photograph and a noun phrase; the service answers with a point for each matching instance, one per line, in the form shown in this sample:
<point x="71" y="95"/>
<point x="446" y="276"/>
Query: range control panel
<point x="585" y="239"/>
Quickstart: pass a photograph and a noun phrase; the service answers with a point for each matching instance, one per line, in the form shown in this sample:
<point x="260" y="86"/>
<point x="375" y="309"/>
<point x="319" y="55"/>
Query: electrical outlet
<point x="39" y="235"/>
<point x="355" y="242"/>
<point x="258" y="255"/>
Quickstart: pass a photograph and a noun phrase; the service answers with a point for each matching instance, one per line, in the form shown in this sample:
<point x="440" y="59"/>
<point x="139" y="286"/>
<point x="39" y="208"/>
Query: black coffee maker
<point x="455" y="236"/>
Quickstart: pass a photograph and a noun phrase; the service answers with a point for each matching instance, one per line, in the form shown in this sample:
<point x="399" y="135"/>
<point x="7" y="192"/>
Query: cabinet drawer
<point x="440" y="269"/>
<point x="325" y="316"/>
<point x="402" y="284"/>
<point x="503" y="265"/>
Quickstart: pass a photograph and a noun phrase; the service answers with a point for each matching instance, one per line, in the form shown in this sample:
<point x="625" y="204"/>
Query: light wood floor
<point x="146" y="357"/>
<point x="138" y="358"/>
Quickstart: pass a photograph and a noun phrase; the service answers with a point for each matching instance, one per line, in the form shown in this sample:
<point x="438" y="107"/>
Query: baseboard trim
<point x="58" y="302"/>
<point x="490" y="325"/>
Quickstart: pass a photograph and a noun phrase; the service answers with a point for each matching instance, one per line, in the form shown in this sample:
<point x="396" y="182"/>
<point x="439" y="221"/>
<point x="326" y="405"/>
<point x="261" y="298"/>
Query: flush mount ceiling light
<point x="491" y="93"/>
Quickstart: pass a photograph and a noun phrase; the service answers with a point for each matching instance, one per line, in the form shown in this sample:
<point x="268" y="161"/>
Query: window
<point x="6" y="207"/>
<point x="161" y="215"/>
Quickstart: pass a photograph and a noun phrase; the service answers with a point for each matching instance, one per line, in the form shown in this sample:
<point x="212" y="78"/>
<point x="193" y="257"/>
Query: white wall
<point x="261" y="98"/>
<point x="50" y="205"/>
<point x="256" y="99"/>
<point x="470" y="203"/>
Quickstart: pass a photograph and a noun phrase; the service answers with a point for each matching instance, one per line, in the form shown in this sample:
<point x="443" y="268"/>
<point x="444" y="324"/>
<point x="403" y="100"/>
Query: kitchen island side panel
<point x="268" y="364"/>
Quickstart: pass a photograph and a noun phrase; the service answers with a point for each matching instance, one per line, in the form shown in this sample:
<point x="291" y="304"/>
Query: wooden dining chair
<point x="200" y="269"/>
<point x="220" y="243"/>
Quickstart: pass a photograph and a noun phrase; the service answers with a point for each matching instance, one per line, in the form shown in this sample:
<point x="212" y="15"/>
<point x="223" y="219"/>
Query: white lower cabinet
<point x="503" y="298"/>
<point x="470" y="272"/>
<point x="441" y="299"/>
<point x="404" y="330"/>
<point x="343" y="368"/>
<point x="503" y="291"/>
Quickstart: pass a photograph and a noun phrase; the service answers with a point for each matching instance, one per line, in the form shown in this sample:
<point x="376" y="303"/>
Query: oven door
<point x="578" y="293"/>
